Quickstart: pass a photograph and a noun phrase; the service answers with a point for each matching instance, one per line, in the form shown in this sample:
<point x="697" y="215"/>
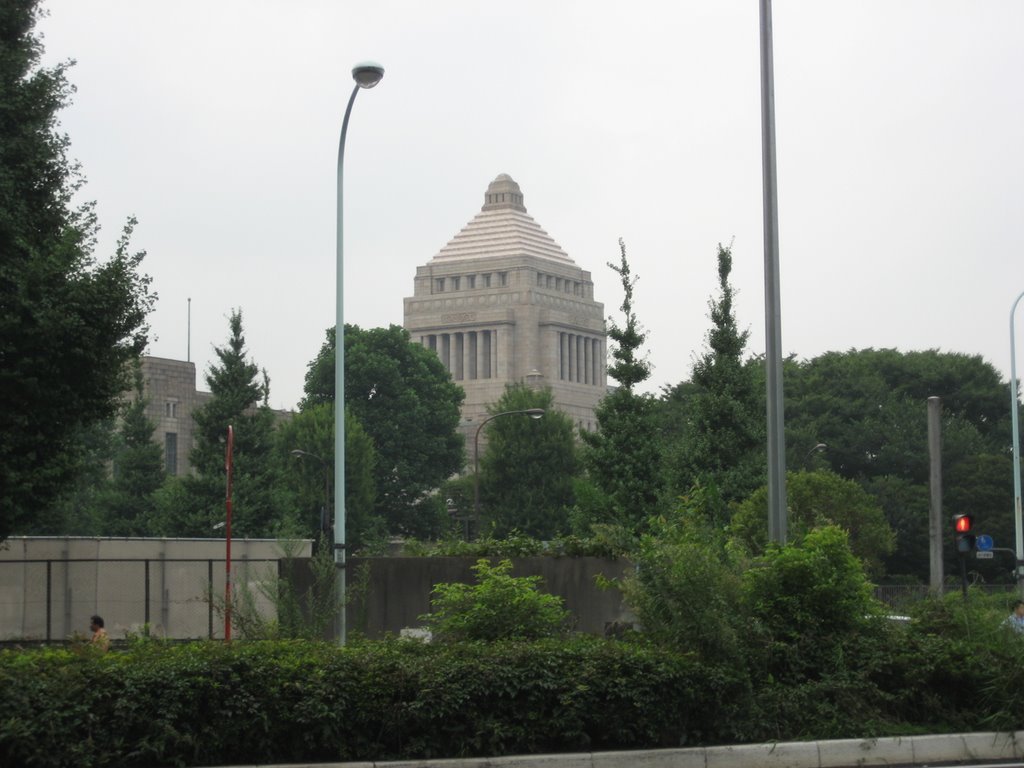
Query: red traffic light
<point x="962" y="523"/>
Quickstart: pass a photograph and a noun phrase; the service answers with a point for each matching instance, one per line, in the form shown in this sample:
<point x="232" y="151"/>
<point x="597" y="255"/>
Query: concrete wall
<point x="50" y="586"/>
<point x="398" y="589"/>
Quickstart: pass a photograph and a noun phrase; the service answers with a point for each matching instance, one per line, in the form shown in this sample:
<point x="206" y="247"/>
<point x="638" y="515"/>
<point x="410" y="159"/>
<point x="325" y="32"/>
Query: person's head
<point x="1018" y="608"/>
<point x="95" y="622"/>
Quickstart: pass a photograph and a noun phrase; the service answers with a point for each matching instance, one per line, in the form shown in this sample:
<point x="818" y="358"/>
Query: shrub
<point x="498" y="607"/>
<point x="686" y="586"/>
<point x="284" y="702"/>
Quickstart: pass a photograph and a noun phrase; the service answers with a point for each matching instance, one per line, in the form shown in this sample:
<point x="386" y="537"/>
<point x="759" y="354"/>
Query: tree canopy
<point x="409" y="406"/>
<point x="527" y="470"/>
<point x="815" y="500"/>
<point x="69" y="324"/>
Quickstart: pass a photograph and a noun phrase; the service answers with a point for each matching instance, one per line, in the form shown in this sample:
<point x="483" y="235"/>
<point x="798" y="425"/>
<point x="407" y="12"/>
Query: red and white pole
<point x="228" y="465"/>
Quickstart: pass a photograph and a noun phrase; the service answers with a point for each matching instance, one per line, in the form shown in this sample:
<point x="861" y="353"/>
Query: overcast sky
<point x="900" y="130"/>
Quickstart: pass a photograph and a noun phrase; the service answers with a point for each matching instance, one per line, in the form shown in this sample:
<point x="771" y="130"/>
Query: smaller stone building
<point x="169" y="387"/>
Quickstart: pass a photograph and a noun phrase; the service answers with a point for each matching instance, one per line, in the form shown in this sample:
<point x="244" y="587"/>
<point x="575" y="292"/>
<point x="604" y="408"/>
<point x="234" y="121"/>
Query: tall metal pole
<point x="1015" y="421"/>
<point x="366" y="76"/>
<point x="777" y="512"/>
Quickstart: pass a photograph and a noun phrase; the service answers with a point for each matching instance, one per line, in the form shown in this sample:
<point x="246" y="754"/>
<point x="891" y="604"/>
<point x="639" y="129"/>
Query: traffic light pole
<point x="966" y="542"/>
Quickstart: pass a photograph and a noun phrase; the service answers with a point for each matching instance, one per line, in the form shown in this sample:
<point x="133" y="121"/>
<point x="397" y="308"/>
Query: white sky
<point x="900" y="130"/>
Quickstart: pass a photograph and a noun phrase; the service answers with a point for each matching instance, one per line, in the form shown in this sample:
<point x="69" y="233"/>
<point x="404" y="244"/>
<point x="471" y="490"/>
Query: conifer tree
<point x="622" y="457"/>
<point x="722" y="444"/>
<point x="240" y="392"/>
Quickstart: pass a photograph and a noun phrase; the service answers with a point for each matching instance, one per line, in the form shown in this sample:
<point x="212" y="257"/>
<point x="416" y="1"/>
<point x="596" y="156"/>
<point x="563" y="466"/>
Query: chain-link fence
<point x="179" y="598"/>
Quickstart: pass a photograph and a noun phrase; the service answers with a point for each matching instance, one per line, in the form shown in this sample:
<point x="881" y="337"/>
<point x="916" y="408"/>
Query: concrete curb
<point x="893" y="751"/>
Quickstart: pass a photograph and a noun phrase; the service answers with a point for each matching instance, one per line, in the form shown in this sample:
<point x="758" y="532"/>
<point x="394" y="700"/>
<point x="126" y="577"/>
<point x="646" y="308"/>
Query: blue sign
<point x="983" y="542"/>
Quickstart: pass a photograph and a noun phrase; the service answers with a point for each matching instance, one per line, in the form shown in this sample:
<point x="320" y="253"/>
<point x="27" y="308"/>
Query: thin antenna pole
<point x="188" y="353"/>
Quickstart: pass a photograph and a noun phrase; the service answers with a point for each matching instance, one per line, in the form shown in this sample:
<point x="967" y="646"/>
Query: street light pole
<point x="366" y="75"/>
<point x="1015" y="421"/>
<point x="777" y="512"/>
<point x="533" y="413"/>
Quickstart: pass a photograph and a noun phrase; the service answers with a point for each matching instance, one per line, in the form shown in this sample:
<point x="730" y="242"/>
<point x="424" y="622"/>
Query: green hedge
<point x="956" y="668"/>
<point x="211" y="704"/>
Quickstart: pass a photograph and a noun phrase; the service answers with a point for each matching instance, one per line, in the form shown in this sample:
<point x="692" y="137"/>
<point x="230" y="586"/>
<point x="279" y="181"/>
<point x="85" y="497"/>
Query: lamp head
<point x="367" y="74"/>
<point x="535" y="413"/>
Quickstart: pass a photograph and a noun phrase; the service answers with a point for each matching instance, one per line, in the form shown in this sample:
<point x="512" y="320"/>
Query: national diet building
<point x="503" y="303"/>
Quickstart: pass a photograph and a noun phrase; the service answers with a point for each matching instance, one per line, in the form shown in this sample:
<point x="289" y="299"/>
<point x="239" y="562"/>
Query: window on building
<point x="471" y="281"/>
<point x="576" y="289"/>
<point x="171" y="452"/>
<point x="503" y="278"/>
<point x="487" y="280"/>
<point x="455" y="283"/>
<point x="171" y="409"/>
<point x="540" y="280"/>
<point x="439" y="285"/>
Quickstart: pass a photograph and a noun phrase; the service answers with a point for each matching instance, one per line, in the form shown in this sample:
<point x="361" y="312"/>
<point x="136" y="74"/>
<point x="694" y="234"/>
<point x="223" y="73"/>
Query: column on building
<point x="460" y="357"/>
<point x="446" y="351"/>
<point x="471" y="355"/>
<point x="587" y="361"/>
<point x="572" y="357"/>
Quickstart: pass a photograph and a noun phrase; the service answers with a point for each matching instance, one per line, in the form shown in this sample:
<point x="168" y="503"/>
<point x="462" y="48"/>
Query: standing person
<point x="100" y="639"/>
<point x="1016" y="619"/>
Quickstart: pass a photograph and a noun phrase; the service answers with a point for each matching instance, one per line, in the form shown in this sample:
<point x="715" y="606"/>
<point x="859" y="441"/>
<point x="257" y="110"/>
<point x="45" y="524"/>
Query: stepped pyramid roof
<point x="502" y="229"/>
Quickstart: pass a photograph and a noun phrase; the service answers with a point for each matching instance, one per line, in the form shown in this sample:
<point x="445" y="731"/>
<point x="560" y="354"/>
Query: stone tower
<point x="502" y="303"/>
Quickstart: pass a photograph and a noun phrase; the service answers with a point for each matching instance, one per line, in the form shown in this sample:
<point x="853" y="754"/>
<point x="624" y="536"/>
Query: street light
<point x="815" y="449"/>
<point x="1014" y="420"/>
<point x="533" y="413"/>
<point x="366" y="75"/>
<point x="297" y="453"/>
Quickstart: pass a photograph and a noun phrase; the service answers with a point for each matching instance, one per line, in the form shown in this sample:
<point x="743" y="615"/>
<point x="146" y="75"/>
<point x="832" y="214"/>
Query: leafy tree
<point x="498" y="607"/>
<point x="311" y="476"/>
<point x="526" y="473"/>
<point x="409" y="406"/>
<point x="240" y="401"/>
<point x="982" y="486"/>
<point x="68" y="323"/>
<point x="623" y="457"/>
<point x="818" y="499"/>
<point x="869" y="407"/>
<point x="722" y="441"/>
<point x="906" y="508"/>
<point x="80" y="511"/>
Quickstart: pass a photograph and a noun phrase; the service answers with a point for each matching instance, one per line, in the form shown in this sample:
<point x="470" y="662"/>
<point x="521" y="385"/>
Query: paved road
<point x="1005" y="750"/>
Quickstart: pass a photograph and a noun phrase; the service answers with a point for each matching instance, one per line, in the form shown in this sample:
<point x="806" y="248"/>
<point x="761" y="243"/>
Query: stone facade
<point x="503" y="303"/>
<point x="170" y="389"/>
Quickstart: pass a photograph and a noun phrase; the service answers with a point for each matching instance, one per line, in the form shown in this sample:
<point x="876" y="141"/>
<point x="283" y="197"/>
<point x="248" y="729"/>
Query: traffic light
<point x="962" y="533"/>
